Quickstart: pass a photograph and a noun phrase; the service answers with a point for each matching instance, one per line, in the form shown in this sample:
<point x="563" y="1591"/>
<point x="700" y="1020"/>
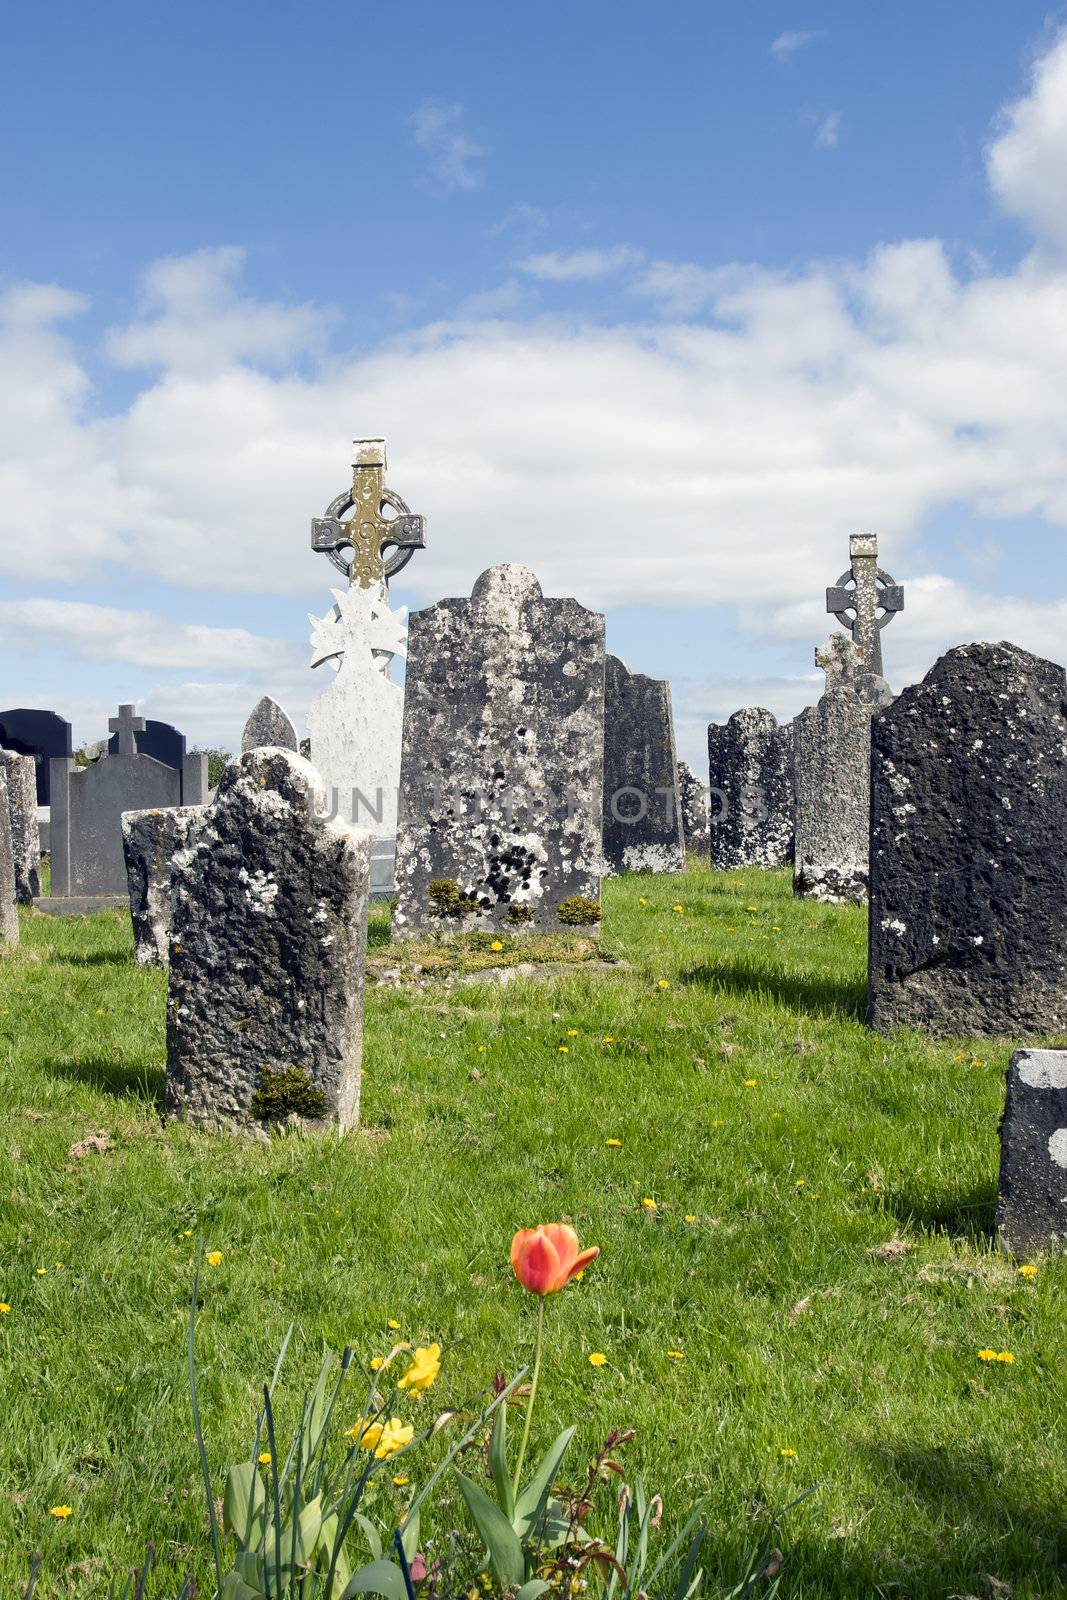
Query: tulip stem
<point x="533" y="1395"/>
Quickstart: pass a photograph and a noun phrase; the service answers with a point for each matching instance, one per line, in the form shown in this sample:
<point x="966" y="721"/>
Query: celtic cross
<point x="368" y="532"/>
<point x="865" y="590"/>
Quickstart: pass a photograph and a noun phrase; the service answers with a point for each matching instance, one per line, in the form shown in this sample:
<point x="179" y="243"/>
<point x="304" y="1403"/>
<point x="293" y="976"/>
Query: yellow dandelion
<point x="265" y="1459"/>
<point x="4" y="1308"/>
<point x="750" y="1083"/>
<point x="677" y="908"/>
<point x="393" y="1326"/>
<point x="1006" y="1356"/>
<point x="987" y="1355"/>
<point x="496" y="945"/>
<point x="788" y="1453"/>
<point x="186" y="1233"/>
<point x="214" y="1258"/>
<point x="572" y="1033"/>
<point x="598" y="1359"/>
<point x="664" y="983"/>
<point x="641" y="900"/>
<point x="690" y="1217"/>
<point x="613" y="1144"/>
<point x="1029" y="1271"/>
<point x="401" y="1483"/>
<point x="61" y="1511"/>
<point x="564" y="1049"/>
<point x="718" y="1122"/>
<point x="801" y="1182"/>
<point x="377" y="1363"/>
<point x="675" y="1355"/>
<point x="41" y="1271"/>
<point x="649" y="1205"/>
<point x="481" y="1049"/>
<point x="609" y="1038"/>
<point x="752" y="908"/>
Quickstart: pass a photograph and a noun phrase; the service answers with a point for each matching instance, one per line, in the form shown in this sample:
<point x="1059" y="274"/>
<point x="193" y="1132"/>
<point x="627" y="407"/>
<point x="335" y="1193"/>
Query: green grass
<point x="934" y="1468"/>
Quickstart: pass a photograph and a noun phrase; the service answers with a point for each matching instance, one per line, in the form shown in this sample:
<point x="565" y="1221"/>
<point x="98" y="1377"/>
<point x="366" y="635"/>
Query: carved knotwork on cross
<point x="870" y="595"/>
<point x="379" y="520"/>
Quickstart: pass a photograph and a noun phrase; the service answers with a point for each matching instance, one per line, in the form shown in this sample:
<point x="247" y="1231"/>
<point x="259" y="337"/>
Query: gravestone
<point x="88" y="865"/>
<point x="41" y="734"/>
<point x="25" y="832"/>
<point x="693" y="803"/>
<point x="968" y="922"/>
<point x="268" y="724"/>
<point x="1032" y="1196"/>
<point x="642" y="819"/>
<point x="832" y="771"/>
<point x="501" y="791"/>
<point x="150" y="841"/>
<point x="9" y="915"/>
<point x="267" y="954"/>
<point x="160" y="740"/>
<point x="865" y="599"/>
<point x="750" y="770"/>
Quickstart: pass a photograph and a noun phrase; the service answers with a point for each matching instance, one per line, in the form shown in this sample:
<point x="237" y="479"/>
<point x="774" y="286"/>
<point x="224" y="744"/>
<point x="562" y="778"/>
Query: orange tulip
<point x="546" y="1259"/>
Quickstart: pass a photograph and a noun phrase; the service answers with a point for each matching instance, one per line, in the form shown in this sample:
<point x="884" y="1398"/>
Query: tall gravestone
<point x="832" y="771"/>
<point x="9" y="915"/>
<point x="968" y="920"/>
<point x="88" y="864"/>
<point x="25" y="833"/>
<point x="693" y="804"/>
<point x="150" y="841"/>
<point x="865" y="600"/>
<point x="267" y="953"/>
<point x="501" y="792"/>
<point x="750" y="772"/>
<point x="1032" y="1197"/>
<point x="642" y="818"/>
<point x="44" y="735"/>
<point x="269" y="724"/>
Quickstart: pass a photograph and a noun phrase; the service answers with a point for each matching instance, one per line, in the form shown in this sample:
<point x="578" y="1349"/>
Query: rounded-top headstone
<point x="269" y="724"/>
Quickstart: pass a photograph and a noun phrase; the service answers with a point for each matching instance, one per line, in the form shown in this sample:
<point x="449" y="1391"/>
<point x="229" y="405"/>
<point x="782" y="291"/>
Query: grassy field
<point x="770" y="1149"/>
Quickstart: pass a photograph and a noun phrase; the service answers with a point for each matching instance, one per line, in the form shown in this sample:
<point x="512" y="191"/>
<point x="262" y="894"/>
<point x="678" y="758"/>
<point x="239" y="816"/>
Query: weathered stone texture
<point x="501" y="799"/>
<point x="693" y="804"/>
<point x="642" y="819"/>
<point x="25" y="831"/>
<point x="750" y="770"/>
<point x="1032" y="1200"/>
<point x="832" y="772"/>
<point x="269" y="724"/>
<point x="150" y="840"/>
<point x="9" y="916"/>
<point x="968" y="925"/>
<point x="267" y="953"/>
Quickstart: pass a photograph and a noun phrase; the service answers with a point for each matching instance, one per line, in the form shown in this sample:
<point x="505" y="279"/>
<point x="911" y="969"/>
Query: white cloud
<point x="681" y="288"/>
<point x="1027" y="161"/>
<point x="828" y="131"/>
<point x="139" y="638"/>
<point x="578" y="265"/>
<point x="785" y="47"/>
<point x="456" y="160"/>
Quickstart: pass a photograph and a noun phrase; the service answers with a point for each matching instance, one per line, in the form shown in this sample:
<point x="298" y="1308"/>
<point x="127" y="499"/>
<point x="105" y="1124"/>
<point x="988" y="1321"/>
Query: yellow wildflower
<point x="801" y="1182"/>
<point x="752" y="908"/>
<point x="641" y="900"/>
<point x="1029" y="1271"/>
<point x="598" y="1359"/>
<point x="572" y="1033"/>
<point x="401" y="1483"/>
<point x="394" y="1327"/>
<point x="608" y="1039"/>
<point x="425" y="1365"/>
<point x="675" y="1355"/>
<point x="41" y="1271"/>
<point x="677" y="908"/>
<point x="214" y="1258"/>
<point x="61" y="1511"/>
<point x="496" y="945"/>
<point x="4" y="1308"/>
<point x="1006" y="1355"/>
<point x="664" y="983"/>
<point x="649" y="1205"/>
<point x="265" y="1459"/>
<point x="690" y="1217"/>
<point x="613" y="1144"/>
<point x="564" y="1049"/>
<point x="377" y="1363"/>
<point x="750" y="1083"/>
<point x="384" y="1438"/>
<point x="788" y="1453"/>
<point x="987" y="1355"/>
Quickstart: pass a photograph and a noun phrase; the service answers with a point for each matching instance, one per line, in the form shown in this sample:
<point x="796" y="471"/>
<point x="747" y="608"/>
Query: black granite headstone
<point x="160" y="740"/>
<point x="40" y="734"/>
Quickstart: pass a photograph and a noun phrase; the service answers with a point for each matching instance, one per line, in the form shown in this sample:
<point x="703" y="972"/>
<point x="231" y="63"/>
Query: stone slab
<point x="693" y="804"/>
<point x="1032" y="1196"/>
<point x="752" y="802"/>
<point x="642" y="818"/>
<point x="9" y="911"/>
<point x="25" y="834"/>
<point x="81" y="905"/>
<point x="269" y="724"/>
<point x="150" y="840"/>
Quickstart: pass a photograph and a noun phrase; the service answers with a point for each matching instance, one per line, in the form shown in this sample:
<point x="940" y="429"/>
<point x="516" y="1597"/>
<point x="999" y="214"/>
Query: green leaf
<point x="235" y="1588"/>
<point x="379" y="1577"/>
<point x="371" y="1534"/>
<point x="244" y="1496"/>
<point x="533" y="1590"/>
<point x="531" y="1499"/>
<point x="247" y="1565"/>
<point x="498" y="1464"/>
<point x="501" y="1541"/>
<point x="409" y="1535"/>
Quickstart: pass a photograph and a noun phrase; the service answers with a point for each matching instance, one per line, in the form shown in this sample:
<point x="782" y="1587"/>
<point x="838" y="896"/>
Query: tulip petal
<point x="582" y="1262"/>
<point x="536" y="1261"/>
<point x="565" y="1242"/>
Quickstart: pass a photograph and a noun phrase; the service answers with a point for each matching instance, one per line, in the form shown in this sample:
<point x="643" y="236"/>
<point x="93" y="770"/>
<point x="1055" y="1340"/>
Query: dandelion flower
<point x="641" y="900"/>
<point x="598" y="1359"/>
<point x="401" y="1483"/>
<point x="752" y="908"/>
<point x="564" y="1049"/>
<point x="61" y="1511"/>
<point x="788" y="1453"/>
<point x="496" y="945"/>
<point x="675" y="1355"/>
<point x="613" y="1144"/>
<point x="609" y="1038"/>
<point x="1029" y="1271"/>
<point x="377" y="1363"/>
<point x="690" y="1217"/>
<point x="4" y="1308"/>
<point x="214" y="1258"/>
<point x="265" y="1459"/>
<point x="649" y="1205"/>
<point x="987" y="1355"/>
<point x="425" y="1365"/>
<point x="41" y="1271"/>
<point x="750" y="1083"/>
<point x="677" y="908"/>
<point x="801" y="1182"/>
<point x="1006" y="1356"/>
<point x="664" y="983"/>
<point x="393" y="1326"/>
<point x="572" y="1033"/>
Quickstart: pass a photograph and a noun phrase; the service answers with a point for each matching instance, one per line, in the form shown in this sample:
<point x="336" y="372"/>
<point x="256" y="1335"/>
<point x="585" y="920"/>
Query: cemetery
<point x="292" y="1059"/>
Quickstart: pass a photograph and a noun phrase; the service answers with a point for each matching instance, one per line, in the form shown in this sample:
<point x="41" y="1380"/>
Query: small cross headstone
<point x="865" y="599"/>
<point x="1032" y="1197"/>
<point x="127" y="726"/>
<point x="377" y="520"/>
<point x="642" y="819"/>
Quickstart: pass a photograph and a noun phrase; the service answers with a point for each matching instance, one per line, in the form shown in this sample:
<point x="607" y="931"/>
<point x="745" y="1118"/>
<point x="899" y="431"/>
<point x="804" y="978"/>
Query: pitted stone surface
<point x="693" y="803"/>
<point x="502" y="774"/>
<point x="968" y="924"/>
<point x="642" y="820"/>
<point x="150" y="840"/>
<point x="750" y="770"/>
<point x="832" y="770"/>
<point x="25" y="830"/>
<point x="268" y="724"/>
<point x="268" y="948"/>
<point x="1032" y="1198"/>
<point x="9" y="916"/>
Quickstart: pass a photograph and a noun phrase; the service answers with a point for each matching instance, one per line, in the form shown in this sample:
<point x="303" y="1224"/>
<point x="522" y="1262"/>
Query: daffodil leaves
<point x="500" y="1539"/>
<point x="531" y="1499"/>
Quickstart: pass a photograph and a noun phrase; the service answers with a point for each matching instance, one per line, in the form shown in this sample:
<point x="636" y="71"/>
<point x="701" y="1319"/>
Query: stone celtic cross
<point x="127" y="726"/>
<point x="369" y="531"/>
<point x="865" y="590"/>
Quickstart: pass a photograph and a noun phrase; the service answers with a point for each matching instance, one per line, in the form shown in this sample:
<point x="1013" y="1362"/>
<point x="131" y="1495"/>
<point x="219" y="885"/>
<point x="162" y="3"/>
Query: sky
<point x="662" y="303"/>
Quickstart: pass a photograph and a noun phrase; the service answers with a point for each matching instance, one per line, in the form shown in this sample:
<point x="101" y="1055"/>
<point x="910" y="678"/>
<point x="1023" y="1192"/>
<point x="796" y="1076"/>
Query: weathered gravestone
<point x="865" y="599"/>
<point x="25" y="833"/>
<point x="968" y="923"/>
<point x="1032" y="1198"/>
<point x="501" y="791"/>
<point x="693" y="804"/>
<point x="750" y="770"/>
<point x="40" y="734"/>
<point x="150" y="841"/>
<point x="268" y="724"/>
<point x="88" y="865"/>
<point x="9" y="915"/>
<point x="642" y="819"/>
<point x="267" y="954"/>
<point x="832" y="772"/>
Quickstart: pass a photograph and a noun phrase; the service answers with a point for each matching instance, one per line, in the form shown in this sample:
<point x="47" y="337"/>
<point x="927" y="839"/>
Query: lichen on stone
<point x="448" y="900"/>
<point x="289" y="1093"/>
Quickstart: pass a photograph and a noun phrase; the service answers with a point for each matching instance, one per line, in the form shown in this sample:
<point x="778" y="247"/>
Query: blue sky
<point x="663" y="304"/>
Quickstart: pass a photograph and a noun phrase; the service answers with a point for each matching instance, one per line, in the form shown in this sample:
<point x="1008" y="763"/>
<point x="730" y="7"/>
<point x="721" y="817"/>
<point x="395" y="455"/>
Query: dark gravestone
<point x="267" y="953"/>
<point x="968" y="923"/>
<point x="25" y="832"/>
<point x="1032" y="1201"/>
<point x="750" y="772"/>
<point x="87" y="807"/>
<point x="501" y="784"/>
<point x="150" y="841"/>
<point x="40" y="734"/>
<point x="832" y="772"/>
<point x="693" y="804"/>
<point x="9" y="914"/>
<point x="159" y="740"/>
<point x="642" y="821"/>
